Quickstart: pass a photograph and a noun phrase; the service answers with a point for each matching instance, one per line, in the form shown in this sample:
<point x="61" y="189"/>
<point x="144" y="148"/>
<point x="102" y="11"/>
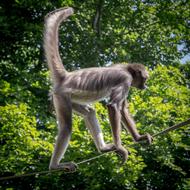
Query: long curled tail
<point x="51" y="40"/>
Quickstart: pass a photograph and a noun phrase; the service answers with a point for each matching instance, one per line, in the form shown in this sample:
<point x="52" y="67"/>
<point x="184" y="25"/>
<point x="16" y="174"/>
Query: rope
<point x="174" y="127"/>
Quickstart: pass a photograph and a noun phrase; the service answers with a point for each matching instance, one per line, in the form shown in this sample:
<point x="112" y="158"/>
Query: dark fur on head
<point x="139" y="74"/>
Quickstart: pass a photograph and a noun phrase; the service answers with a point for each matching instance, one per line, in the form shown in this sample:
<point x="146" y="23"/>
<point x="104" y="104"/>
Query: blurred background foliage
<point x="153" y="32"/>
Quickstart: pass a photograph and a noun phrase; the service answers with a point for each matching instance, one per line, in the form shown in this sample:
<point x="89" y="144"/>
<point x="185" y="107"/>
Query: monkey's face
<point x="139" y="79"/>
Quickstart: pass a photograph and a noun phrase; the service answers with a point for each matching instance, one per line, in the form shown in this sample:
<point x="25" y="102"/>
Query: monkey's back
<point x="93" y="84"/>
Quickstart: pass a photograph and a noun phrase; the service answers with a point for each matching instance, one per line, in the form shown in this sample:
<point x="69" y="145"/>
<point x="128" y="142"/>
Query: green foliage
<point x="21" y="144"/>
<point x="142" y="31"/>
<point x="164" y="104"/>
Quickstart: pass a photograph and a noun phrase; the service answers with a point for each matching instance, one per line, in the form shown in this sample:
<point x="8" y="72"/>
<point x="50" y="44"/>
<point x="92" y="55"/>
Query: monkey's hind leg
<point x="92" y="124"/>
<point x="64" y="116"/>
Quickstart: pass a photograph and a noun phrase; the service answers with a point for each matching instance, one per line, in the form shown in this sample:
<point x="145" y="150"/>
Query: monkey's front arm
<point x="118" y="114"/>
<point x="115" y="121"/>
<point x="130" y="125"/>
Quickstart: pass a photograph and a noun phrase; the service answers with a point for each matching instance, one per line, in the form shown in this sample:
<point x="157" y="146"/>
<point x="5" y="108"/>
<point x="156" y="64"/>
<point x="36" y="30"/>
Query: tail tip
<point x="68" y="11"/>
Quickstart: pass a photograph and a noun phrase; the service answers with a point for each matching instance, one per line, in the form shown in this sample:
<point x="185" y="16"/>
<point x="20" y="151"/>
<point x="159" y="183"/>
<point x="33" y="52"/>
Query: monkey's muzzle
<point x="143" y="87"/>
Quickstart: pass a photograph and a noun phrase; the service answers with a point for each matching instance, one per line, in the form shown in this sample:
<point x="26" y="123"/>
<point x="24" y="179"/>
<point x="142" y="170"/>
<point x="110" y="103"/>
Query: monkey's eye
<point x="144" y="79"/>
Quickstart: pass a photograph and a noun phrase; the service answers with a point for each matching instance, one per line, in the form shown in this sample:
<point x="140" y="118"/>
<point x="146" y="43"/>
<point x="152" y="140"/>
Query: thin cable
<point x="93" y="158"/>
<point x="174" y="127"/>
<point x="51" y="171"/>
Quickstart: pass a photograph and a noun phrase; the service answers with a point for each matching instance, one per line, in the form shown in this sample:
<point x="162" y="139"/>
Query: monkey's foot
<point x="68" y="167"/>
<point x="108" y="148"/>
<point x="147" y="137"/>
<point x="123" y="153"/>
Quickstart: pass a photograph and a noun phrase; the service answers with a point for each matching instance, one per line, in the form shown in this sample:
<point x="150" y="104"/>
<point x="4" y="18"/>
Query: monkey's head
<point x="139" y="75"/>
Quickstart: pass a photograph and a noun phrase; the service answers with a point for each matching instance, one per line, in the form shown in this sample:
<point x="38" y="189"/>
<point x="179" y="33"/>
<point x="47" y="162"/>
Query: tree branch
<point x="97" y="18"/>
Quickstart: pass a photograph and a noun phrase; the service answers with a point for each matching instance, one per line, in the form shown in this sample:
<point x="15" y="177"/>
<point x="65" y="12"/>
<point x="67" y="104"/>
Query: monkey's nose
<point x="143" y="87"/>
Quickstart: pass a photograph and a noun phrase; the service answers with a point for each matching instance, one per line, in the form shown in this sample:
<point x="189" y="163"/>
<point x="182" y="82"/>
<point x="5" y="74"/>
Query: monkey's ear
<point x="132" y="71"/>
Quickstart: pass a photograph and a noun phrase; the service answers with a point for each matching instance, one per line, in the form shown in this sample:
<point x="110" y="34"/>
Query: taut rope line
<point x="174" y="127"/>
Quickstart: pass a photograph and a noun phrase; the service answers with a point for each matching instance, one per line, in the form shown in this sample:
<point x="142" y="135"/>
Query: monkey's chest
<point x="86" y="97"/>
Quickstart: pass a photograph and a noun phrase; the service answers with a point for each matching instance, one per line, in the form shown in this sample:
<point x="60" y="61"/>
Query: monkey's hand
<point x="68" y="167"/>
<point x="147" y="137"/>
<point x="108" y="148"/>
<point x="123" y="153"/>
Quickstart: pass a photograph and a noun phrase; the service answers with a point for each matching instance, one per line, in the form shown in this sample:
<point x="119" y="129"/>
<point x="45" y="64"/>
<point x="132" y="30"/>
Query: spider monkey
<point x="74" y="91"/>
